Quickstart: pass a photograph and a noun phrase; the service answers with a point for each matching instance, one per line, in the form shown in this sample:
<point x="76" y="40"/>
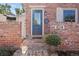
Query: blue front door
<point x="37" y="22"/>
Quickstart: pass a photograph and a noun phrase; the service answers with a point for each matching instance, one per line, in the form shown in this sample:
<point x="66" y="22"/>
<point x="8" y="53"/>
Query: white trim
<point x="42" y="22"/>
<point x="59" y="14"/>
<point x="76" y="13"/>
<point x="37" y="6"/>
<point x="23" y="25"/>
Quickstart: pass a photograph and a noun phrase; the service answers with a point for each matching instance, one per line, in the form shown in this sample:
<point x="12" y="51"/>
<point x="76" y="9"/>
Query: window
<point x="11" y="18"/>
<point x="69" y="15"/>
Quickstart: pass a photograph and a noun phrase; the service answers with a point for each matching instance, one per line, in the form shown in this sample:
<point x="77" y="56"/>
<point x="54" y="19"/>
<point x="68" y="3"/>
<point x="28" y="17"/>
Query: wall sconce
<point x="46" y="21"/>
<point x="45" y="13"/>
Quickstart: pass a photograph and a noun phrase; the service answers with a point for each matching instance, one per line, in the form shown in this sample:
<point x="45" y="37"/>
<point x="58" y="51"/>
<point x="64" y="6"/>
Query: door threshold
<point x="37" y="37"/>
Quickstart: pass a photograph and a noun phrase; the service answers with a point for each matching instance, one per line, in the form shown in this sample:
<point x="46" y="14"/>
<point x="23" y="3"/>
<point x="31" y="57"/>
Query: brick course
<point x="10" y="34"/>
<point x="70" y="35"/>
<point x="50" y="12"/>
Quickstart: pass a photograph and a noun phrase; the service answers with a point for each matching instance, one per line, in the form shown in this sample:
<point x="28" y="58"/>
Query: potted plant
<point x="52" y="40"/>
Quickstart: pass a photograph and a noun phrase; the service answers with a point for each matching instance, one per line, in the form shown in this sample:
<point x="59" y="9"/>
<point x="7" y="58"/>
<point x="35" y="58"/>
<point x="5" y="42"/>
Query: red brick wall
<point x="10" y="34"/>
<point x="50" y="12"/>
<point x="70" y="35"/>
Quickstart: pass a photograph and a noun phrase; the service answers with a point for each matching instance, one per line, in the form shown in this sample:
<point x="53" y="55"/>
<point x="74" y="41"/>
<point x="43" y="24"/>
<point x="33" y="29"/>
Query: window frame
<point x="76" y="14"/>
<point x="60" y="15"/>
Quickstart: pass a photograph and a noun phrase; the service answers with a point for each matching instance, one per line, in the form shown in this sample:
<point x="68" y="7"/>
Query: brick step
<point x="35" y="48"/>
<point x="31" y="52"/>
<point x="37" y="53"/>
<point x="33" y="41"/>
<point x="37" y="41"/>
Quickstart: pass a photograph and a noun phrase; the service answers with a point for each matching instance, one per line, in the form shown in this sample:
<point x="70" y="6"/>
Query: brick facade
<point x="69" y="34"/>
<point x="49" y="12"/>
<point x="10" y="34"/>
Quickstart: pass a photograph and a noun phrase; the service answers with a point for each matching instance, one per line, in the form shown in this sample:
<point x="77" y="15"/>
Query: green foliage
<point x="7" y="51"/>
<point x="53" y="39"/>
<point x="19" y="11"/>
<point x="5" y="9"/>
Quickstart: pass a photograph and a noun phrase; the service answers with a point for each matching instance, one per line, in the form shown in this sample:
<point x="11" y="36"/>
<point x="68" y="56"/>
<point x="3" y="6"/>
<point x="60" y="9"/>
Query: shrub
<point x="7" y="51"/>
<point x="53" y="39"/>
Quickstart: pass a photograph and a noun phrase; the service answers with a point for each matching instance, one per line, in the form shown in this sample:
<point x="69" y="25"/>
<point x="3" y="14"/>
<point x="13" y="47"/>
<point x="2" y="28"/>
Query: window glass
<point x="69" y="15"/>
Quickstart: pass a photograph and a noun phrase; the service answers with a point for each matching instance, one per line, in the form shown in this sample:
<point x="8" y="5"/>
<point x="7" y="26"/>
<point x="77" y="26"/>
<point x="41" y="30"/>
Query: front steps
<point x="36" y="47"/>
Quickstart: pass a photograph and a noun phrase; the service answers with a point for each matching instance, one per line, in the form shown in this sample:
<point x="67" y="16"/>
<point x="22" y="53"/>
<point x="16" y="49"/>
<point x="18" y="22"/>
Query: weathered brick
<point x="70" y="33"/>
<point x="10" y="34"/>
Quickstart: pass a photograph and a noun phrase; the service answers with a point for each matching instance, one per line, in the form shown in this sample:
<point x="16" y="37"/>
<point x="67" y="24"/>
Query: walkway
<point x="36" y="47"/>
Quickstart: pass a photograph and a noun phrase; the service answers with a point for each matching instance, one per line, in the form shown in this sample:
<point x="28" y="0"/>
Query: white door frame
<point x="42" y="22"/>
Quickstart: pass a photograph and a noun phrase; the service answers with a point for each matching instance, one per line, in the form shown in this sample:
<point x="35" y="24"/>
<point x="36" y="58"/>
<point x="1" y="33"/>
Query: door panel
<point x="37" y="22"/>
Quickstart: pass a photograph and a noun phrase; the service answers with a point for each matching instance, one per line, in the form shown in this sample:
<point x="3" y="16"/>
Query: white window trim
<point x="76" y="13"/>
<point x="42" y="22"/>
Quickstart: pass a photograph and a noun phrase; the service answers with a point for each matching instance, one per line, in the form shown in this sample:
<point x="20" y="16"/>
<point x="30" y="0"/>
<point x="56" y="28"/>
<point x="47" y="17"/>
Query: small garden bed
<point x="52" y="40"/>
<point x="7" y="51"/>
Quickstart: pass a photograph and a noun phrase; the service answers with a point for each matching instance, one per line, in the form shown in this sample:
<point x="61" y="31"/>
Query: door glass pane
<point x="37" y="22"/>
